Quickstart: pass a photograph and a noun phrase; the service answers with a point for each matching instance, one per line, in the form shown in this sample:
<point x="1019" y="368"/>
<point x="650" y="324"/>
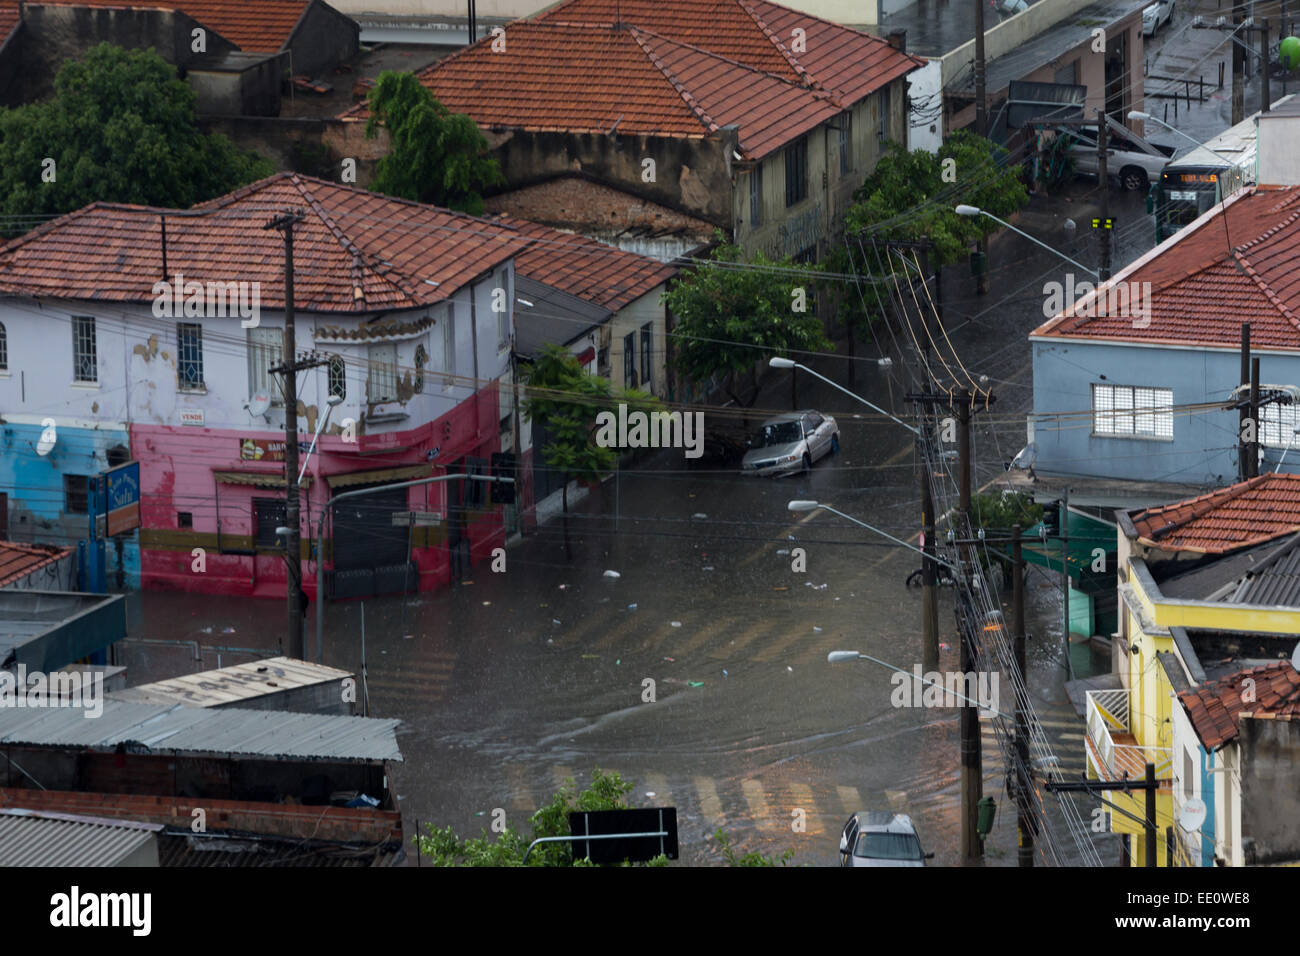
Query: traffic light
<point x="503" y="466"/>
<point x="1052" y="518"/>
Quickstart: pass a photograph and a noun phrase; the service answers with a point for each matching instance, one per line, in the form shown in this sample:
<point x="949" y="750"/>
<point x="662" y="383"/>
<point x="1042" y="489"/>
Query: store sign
<point x="191" y="416"/>
<point x="119" y="507"/>
<point x="259" y="449"/>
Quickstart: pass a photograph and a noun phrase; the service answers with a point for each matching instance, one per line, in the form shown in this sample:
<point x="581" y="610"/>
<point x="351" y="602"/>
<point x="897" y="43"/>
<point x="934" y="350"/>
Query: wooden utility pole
<point x="1065" y="580"/>
<point x="1024" y="822"/>
<point x="1252" y="449"/>
<point x="929" y="576"/>
<point x="1238" y="67"/>
<point x="981" y="125"/>
<point x="1103" y="179"/>
<point x="971" y="774"/>
<point x="1264" y="99"/>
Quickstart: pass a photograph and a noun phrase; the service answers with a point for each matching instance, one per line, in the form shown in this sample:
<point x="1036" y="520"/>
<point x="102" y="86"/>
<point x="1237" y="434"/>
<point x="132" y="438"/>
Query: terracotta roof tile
<point x="9" y="18"/>
<point x="586" y="268"/>
<point x="1215" y="707"/>
<point x="1248" y="513"/>
<point x="356" y="251"/>
<point x="255" y="26"/>
<point x="19" y="560"/>
<point x="593" y="78"/>
<point x="1240" y="265"/>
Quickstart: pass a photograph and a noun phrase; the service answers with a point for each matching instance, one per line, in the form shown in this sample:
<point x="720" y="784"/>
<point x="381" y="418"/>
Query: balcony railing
<point x="1115" y="749"/>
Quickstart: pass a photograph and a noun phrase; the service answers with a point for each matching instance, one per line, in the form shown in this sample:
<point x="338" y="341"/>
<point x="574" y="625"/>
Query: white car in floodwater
<point x="791" y="442"/>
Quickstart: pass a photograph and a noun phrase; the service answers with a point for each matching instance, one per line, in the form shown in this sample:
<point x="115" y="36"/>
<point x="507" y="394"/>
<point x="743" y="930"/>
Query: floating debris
<point x="672" y="660"/>
<point x="631" y="607"/>
<point x="590" y="657"/>
<point x="699" y="516"/>
<point x="696" y="683"/>
<point x="611" y="574"/>
<point x="675" y="623"/>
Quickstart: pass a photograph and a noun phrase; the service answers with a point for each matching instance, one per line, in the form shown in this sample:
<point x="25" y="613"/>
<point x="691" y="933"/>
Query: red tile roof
<point x="1241" y="264"/>
<point x="19" y="560"/>
<point x="1216" y="707"/>
<point x="356" y="251"/>
<point x="586" y="268"/>
<point x="255" y="26"/>
<point x="594" y="78"/>
<point x="9" y="18"/>
<point x="1248" y="513"/>
<point x="828" y="56"/>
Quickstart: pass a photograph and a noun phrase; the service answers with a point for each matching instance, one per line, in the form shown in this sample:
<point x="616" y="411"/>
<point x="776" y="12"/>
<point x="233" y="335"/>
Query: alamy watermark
<point x="951" y="689"/>
<point x="37" y="689"/>
<point x="638" y="429"/>
<point x="182" y="299"/>
<point x="1121" y="300"/>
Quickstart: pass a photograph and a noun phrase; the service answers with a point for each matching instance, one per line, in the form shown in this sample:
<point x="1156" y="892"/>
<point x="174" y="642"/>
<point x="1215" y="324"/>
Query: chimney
<point x="898" y="40"/>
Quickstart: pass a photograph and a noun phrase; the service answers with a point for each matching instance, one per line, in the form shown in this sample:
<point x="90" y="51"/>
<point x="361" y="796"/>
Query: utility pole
<point x="981" y="125"/>
<point x="1103" y="178"/>
<point x="1252" y="449"/>
<point x="929" y="582"/>
<point x="1024" y="823"/>
<point x="1264" y="99"/>
<point x="1243" y="414"/>
<point x="1238" y="67"/>
<point x="971" y="774"/>
<point x="289" y="368"/>
<point x="1065" y="579"/>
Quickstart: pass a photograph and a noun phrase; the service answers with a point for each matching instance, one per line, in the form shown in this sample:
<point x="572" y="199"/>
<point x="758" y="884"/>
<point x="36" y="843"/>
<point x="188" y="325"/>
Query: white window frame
<point x="381" y="380"/>
<point x="83" y="349"/>
<point x="183" y="356"/>
<point x="1132" y="411"/>
<point x="4" y="348"/>
<point x="449" y="348"/>
<point x="1277" y="425"/>
<point x="265" y="348"/>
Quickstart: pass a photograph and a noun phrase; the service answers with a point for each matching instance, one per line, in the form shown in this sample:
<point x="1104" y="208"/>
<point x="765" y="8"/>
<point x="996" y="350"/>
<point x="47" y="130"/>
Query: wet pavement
<point x="513" y="681"/>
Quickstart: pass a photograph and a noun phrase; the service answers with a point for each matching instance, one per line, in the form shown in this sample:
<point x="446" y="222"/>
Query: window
<point x="185" y="519"/>
<point x="189" y="356"/>
<point x="381" y="386"/>
<point x="338" y="377"/>
<point x="85" y="367"/>
<point x="1122" y="410"/>
<point x="503" y="328"/>
<point x="1188" y="789"/>
<point x="882" y="129"/>
<point x="629" y="360"/>
<point x="421" y="360"/>
<point x="268" y="514"/>
<point x="1277" y="424"/>
<point x="846" y="142"/>
<point x="76" y="494"/>
<point x="1068" y="74"/>
<point x="647" y="334"/>
<point x="4" y="349"/>
<point x="756" y="196"/>
<point x="796" y="172"/>
<point x="265" y="348"/>
<point x="449" y="347"/>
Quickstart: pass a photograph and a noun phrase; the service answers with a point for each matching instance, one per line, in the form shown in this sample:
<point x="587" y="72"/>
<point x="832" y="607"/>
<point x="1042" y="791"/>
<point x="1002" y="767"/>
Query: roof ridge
<point x="687" y="97"/>
<point x="1200" y="506"/>
<point x="780" y="45"/>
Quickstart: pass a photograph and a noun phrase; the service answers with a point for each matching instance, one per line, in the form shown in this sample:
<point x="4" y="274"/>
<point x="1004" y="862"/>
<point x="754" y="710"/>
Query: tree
<point x="733" y="312"/>
<point x="561" y="395"/>
<point x="120" y="127"/>
<point x="437" y="156"/>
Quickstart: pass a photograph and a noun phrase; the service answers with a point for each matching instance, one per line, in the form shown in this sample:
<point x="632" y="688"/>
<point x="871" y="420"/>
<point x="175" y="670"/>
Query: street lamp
<point x="802" y="506"/>
<point x="965" y="210"/>
<point x="333" y="402"/>
<point x="1139" y="115"/>
<point x="842" y="657"/>
<point x="777" y="361"/>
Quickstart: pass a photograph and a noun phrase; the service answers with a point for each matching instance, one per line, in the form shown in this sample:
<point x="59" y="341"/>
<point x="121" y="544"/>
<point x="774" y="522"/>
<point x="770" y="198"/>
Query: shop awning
<point x="257" y="479"/>
<point x="380" y="476"/>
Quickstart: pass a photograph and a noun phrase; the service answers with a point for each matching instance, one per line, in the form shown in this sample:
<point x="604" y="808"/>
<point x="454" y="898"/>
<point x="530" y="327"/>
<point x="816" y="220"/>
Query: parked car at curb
<point x="1155" y="16"/>
<point x="880" y="838"/>
<point x="791" y="442"/>
<point x="1130" y="159"/>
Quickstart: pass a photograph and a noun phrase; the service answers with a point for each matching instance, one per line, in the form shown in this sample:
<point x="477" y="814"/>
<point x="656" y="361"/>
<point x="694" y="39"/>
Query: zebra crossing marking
<point x="710" y="804"/>
<point x="756" y="800"/>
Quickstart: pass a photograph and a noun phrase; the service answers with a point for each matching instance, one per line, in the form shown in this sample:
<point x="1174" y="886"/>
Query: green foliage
<point x="120" y="127"/>
<point x="907" y="198"/>
<point x="999" y="510"/>
<point x="729" y="317"/>
<point x="752" y="858"/>
<point x="562" y="395"/>
<point x="437" y="156"/>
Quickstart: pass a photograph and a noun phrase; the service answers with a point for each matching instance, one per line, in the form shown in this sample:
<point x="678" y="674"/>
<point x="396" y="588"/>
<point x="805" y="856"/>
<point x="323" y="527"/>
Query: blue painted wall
<point x="34" y="484"/>
<point x="1204" y="446"/>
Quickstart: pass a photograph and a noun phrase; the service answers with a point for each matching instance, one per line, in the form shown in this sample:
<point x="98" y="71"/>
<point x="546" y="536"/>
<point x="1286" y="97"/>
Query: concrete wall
<point x="630" y="319"/>
<point x="1010" y="33"/>
<point x="324" y="37"/>
<point x="251" y="92"/>
<point x="278" y="139"/>
<point x="925" y="91"/>
<point x="1279" y="149"/>
<point x="1270" y="781"/>
<point x="1203" y="449"/>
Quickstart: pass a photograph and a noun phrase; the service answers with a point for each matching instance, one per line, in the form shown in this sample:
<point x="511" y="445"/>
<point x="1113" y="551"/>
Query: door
<point x="458" y="503"/>
<point x="370" y="552"/>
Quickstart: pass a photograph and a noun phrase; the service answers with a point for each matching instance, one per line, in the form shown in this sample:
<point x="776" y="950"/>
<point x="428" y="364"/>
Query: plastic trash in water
<point x="676" y="623"/>
<point x="550" y="640"/>
<point x="696" y="683"/>
<point x="699" y="515"/>
<point x="816" y="629"/>
<point x="407" y="637"/>
<point x="671" y="660"/>
<point x="228" y="630"/>
<point x="486" y="603"/>
<point x="611" y="574"/>
<point x="707" y="567"/>
<point x="618" y="661"/>
<point x="631" y="607"/>
<point x="783" y="551"/>
<point x="555" y="621"/>
<point x="563" y="587"/>
<point x="789" y="668"/>
<point x="724" y="672"/>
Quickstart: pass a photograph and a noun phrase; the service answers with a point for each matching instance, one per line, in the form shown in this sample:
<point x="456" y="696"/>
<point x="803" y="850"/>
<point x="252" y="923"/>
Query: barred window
<point x="338" y="377"/>
<point x="189" y="356"/>
<point x="1277" y="424"/>
<point x="382" y="383"/>
<point x="265" y="348"/>
<point x="846" y="142"/>
<point x="421" y="360"/>
<point x="1127" y="410"/>
<point x="629" y="360"/>
<point x="4" y="349"/>
<point x="449" y="347"/>
<point x="647" y="339"/>
<point x="796" y="172"/>
<point x="756" y="196"/>
<point x="882" y="130"/>
<point x="85" y="366"/>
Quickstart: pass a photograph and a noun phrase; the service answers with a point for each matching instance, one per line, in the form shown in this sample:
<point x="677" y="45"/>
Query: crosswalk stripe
<point x="710" y="805"/>
<point x="782" y="646"/>
<point x="758" y="809"/>
<point x="897" y="799"/>
<point x="521" y="796"/>
<point x="575" y="633"/>
<point x="850" y="799"/>
<point x="657" y="784"/>
<point x="737" y="643"/>
<point x="560" y="773"/>
<point x="625" y="631"/>
<point x="802" y="797"/>
<point x="701" y="637"/>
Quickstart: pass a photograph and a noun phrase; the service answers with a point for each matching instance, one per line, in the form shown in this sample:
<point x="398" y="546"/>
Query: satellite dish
<point x="1191" y="814"/>
<point x="258" y="404"/>
<point x="1295" y="657"/>
<point x="48" y="439"/>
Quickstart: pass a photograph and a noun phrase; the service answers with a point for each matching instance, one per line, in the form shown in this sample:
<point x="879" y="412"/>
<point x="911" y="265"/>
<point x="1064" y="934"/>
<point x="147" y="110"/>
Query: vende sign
<point x="191" y="416"/>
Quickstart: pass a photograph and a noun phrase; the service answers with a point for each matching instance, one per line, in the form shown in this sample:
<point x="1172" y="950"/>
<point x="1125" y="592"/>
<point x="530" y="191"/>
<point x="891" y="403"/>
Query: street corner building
<point x="138" y="334"/>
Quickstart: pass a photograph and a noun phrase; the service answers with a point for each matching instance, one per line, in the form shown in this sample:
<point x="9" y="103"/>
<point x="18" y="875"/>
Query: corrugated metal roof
<point x="229" y="685"/>
<point x="1276" y="583"/>
<point x="272" y="734"/>
<point x="29" y="838"/>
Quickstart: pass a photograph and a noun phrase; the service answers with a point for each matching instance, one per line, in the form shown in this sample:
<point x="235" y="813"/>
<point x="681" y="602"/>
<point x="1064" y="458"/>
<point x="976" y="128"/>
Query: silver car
<point x="874" y="838"/>
<point x="791" y="442"/>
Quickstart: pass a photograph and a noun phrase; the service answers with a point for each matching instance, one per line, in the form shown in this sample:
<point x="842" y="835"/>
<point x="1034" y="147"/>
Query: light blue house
<point x="1135" y="384"/>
